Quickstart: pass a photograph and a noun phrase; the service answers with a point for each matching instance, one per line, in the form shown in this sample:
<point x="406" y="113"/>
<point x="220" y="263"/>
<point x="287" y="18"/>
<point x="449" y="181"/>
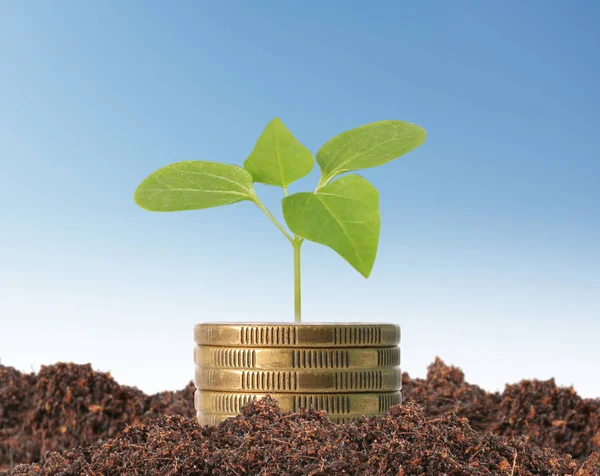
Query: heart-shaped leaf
<point x="278" y="158"/>
<point x="343" y="215"/>
<point x="193" y="185"/>
<point x="367" y="146"/>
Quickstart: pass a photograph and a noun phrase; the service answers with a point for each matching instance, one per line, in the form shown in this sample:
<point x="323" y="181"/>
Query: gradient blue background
<point x="490" y="242"/>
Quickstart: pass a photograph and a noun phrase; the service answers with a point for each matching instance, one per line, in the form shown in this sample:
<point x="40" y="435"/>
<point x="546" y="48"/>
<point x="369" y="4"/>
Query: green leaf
<point x="343" y="215"/>
<point x="193" y="185"/>
<point x="367" y="146"/>
<point x="278" y="158"/>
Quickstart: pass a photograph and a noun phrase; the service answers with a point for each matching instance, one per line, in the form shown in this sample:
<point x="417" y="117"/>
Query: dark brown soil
<point x="66" y="406"/>
<point x="264" y="441"/>
<point x="445" y="391"/>
<point x="544" y="414"/>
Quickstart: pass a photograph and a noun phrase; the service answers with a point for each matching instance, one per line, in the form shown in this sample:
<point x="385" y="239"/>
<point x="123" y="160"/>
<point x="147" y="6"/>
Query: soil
<point x="446" y="426"/>
<point x="264" y="441"/>
<point x="540" y="411"/>
<point x="68" y="405"/>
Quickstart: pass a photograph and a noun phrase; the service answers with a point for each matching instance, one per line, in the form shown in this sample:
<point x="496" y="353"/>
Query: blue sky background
<point x="490" y="243"/>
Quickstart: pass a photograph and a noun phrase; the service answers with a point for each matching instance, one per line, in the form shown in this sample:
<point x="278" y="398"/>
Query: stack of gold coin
<point x="348" y="370"/>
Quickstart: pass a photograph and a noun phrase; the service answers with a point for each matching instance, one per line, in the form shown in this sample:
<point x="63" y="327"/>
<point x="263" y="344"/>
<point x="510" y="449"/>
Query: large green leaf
<point x="192" y="185"/>
<point x="278" y="158"/>
<point x="367" y="146"/>
<point x="343" y="215"/>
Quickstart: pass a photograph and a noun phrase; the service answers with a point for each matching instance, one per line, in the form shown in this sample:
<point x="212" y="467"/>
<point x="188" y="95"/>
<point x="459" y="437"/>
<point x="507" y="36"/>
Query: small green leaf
<point x="367" y="146"/>
<point x="193" y="185"/>
<point x="343" y="215"/>
<point x="278" y="158"/>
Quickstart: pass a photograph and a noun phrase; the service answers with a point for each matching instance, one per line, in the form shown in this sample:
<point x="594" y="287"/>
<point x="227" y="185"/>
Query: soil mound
<point x="445" y="391"/>
<point x="540" y="411"/>
<point x="549" y="416"/>
<point x="264" y="441"/>
<point x="68" y="405"/>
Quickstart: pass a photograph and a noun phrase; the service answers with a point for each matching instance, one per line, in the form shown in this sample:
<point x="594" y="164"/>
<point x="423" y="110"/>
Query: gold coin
<point x="336" y="403"/>
<point x="299" y="381"/>
<point x="212" y="419"/>
<point x="288" y="358"/>
<point x="297" y="335"/>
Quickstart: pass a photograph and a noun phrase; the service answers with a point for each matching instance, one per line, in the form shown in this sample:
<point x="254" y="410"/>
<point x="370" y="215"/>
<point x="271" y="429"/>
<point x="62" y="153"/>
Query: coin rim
<point x="231" y="389"/>
<point x="307" y="342"/>
<point x="289" y="350"/>
<point x="279" y="395"/>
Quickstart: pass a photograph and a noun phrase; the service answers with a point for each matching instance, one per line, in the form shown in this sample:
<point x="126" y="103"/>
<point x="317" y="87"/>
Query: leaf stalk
<point x="260" y="205"/>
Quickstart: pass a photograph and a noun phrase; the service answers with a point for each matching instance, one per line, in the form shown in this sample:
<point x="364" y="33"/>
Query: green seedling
<point x="342" y="214"/>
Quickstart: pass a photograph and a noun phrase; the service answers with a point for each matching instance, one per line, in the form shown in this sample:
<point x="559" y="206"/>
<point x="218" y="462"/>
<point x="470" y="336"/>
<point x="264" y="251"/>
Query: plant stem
<point x="322" y="182"/>
<point x="297" y="243"/>
<point x="260" y="205"/>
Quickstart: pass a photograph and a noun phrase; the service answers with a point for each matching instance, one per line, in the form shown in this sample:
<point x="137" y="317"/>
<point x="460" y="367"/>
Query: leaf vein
<point x="171" y="189"/>
<point x="352" y="157"/>
<point x="219" y="177"/>
<point x="341" y="224"/>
